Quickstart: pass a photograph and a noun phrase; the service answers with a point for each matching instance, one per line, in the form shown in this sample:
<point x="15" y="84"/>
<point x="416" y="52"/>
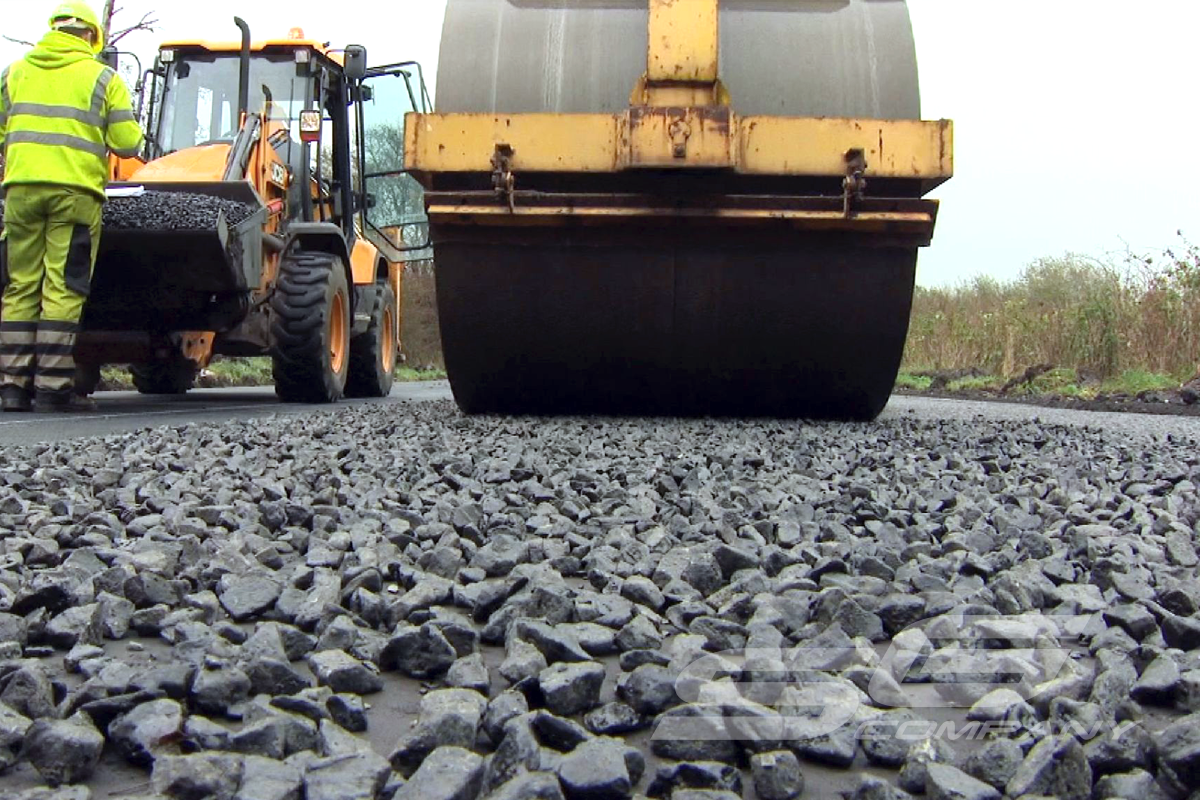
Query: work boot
<point x="62" y="403"/>
<point x="15" y="398"/>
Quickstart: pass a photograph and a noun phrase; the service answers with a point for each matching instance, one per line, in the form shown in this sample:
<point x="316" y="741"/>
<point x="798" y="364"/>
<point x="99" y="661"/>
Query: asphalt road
<point x="126" y="412"/>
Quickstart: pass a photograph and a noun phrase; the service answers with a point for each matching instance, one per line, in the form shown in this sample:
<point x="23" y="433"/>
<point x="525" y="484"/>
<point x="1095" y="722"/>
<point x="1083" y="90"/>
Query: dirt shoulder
<point x="1129" y="405"/>
<point x="1134" y="393"/>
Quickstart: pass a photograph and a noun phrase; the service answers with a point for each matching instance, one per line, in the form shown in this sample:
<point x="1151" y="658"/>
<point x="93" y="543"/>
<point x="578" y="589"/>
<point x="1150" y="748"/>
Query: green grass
<point x="1062" y="382"/>
<point x="410" y="375"/>
<point x="240" y="372"/>
<point x="919" y="383"/>
<point x="115" y="379"/>
<point x="1054" y="383"/>
<point x="983" y="383"/>
<point x="1136" y="381"/>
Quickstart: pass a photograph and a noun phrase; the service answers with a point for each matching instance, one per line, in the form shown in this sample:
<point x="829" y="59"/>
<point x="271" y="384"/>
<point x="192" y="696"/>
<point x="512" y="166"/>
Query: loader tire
<point x="87" y="379"/>
<point x="174" y="376"/>
<point x="310" y="328"/>
<point x="373" y="353"/>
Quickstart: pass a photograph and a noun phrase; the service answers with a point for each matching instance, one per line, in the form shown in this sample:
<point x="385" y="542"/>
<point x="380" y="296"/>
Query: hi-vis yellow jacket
<point x="61" y="111"/>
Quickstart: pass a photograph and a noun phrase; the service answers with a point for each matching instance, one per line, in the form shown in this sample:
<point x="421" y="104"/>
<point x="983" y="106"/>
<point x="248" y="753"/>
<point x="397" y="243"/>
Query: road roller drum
<point x="801" y="58"/>
<point x="677" y="206"/>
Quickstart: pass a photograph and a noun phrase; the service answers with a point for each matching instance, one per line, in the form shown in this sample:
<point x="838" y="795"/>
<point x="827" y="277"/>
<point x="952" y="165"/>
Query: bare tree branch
<point x="20" y="41"/>
<point x="106" y="17"/>
<point x="148" y="22"/>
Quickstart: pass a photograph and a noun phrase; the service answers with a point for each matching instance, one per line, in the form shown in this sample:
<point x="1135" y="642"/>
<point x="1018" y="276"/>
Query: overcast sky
<point x="1074" y="118"/>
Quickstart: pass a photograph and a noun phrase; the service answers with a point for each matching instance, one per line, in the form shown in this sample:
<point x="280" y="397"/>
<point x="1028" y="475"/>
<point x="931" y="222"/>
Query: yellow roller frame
<point x="641" y="138"/>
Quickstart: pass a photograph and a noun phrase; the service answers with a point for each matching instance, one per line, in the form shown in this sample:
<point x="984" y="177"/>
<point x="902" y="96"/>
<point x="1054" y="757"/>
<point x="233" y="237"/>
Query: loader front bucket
<point x="178" y="256"/>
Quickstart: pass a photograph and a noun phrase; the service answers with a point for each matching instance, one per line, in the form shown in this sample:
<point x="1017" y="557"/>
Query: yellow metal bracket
<point x="677" y="137"/>
<point x="503" y="180"/>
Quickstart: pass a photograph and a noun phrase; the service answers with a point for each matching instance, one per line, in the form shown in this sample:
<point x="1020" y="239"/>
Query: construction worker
<point x="61" y="112"/>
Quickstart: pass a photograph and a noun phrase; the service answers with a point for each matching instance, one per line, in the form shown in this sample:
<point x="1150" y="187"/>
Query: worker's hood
<point x="57" y="50"/>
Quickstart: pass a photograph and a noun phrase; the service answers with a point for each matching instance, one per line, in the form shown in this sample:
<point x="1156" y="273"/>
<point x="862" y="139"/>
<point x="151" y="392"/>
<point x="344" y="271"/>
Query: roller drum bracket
<point x="680" y="132"/>
<point x="503" y="180"/>
<point x="854" y="187"/>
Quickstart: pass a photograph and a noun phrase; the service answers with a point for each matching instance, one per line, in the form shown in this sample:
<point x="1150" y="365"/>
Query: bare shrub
<point x="1101" y="317"/>
<point x="420" y="337"/>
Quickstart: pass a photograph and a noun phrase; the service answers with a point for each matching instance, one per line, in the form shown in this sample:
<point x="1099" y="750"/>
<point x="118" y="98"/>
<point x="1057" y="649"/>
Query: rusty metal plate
<point x="686" y="321"/>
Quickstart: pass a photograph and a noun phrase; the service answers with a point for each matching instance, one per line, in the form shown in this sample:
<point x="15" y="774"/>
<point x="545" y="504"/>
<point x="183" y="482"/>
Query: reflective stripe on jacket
<point x="61" y="112"/>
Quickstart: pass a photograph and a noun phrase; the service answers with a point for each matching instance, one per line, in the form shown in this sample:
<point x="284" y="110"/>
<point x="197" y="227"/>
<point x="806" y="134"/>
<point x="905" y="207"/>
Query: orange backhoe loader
<point x="269" y="215"/>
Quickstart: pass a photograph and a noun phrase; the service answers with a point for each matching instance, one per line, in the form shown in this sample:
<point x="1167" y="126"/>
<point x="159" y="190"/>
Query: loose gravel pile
<point x="180" y="211"/>
<point x="598" y="609"/>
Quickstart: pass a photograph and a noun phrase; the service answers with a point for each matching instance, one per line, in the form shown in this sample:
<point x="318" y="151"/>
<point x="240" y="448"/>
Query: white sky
<point x="1072" y="117"/>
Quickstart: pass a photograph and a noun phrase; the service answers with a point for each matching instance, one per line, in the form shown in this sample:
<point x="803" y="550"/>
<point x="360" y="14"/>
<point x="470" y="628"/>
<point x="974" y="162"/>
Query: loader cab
<point x="393" y="198"/>
<point x="336" y="126"/>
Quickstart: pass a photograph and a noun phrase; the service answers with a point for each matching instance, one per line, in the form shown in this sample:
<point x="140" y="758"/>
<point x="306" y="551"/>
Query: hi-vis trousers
<point x="51" y="237"/>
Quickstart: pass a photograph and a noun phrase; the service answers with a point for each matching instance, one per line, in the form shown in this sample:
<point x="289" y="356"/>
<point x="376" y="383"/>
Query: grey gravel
<point x="448" y="718"/>
<point x="342" y="672"/>
<point x="915" y="772"/>
<point x="944" y="782"/>
<point x="777" y="775"/>
<point x="247" y="596"/>
<point x="569" y="689"/>
<point x="996" y="762"/>
<point x="1177" y="755"/>
<point x="596" y="770"/>
<point x="530" y="786"/>
<point x="218" y="691"/>
<point x="450" y="551"/>
<point x="1055" y="766"/>
<point x="1138" y="784"/>
<point x="504" y="707"/>
<point x="649" y="689"/>
<point x="357" y="776"/>
<point x="28" y="692"/>
<point x="703" y="775"/>
<point x="61" y="793"/>
<point x="418" y="652"/>
<point x="155" y="210"/>
<point x="63" y="751"/>
<point x="1189" y="690"/>
<point x="207" y="775"/>
<point x="613" y="719"/>
<point x="268" y="779"/>
<point x="877" y="789"/>
<point x="349" y="712"/>
<point x="449" y="773"/>
<point x="141" y="733"/>
<point x="470" y="673"/>
<point x="1158" y="683"/>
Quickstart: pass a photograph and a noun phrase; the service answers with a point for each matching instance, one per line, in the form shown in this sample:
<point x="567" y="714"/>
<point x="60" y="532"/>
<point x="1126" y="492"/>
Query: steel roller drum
<point x="679" y="316"/>
<point x="803" y="58"/>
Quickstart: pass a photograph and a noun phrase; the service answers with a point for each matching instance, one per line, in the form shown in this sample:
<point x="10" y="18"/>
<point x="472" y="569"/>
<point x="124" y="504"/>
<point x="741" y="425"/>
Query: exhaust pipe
<point x="244" y="69"/>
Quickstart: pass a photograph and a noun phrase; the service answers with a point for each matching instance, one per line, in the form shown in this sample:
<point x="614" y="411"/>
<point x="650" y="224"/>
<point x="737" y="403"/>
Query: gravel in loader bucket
<point x="170" y="211"/>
